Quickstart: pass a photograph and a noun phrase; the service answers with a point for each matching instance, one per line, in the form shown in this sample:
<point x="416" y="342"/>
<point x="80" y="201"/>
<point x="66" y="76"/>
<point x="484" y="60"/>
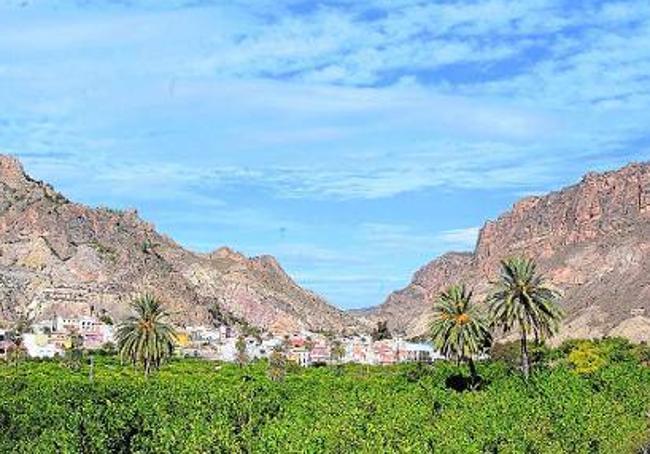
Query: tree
<point x="458" y="330"/>
<point x="381" y="332"/>
<point x="277" y="364"/>
<point x="309" y="344"/>
<point x="587" y="358"/>
<point x="523" y="300"/>
<point x="241" y="356"/>
<point x="73" y="355"/>
<point x="17" y="352"/>
<point x="146" y="337"/>
<point x="338" y="351"/>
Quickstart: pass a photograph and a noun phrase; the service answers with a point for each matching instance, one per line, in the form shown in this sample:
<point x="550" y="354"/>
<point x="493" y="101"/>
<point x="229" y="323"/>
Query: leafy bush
<point x="587" y="358"/>
<point x="510" y="353"/>
<point x="197" y="406"/>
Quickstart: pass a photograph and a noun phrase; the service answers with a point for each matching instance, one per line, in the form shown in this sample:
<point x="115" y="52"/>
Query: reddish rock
<point x="592" y="240"/>
<point x="58" y="257"/>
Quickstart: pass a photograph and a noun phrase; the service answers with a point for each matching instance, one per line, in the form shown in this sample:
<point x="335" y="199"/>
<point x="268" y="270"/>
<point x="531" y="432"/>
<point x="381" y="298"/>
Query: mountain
<point x="59" y="257"/>
<point x="591" y="240"/>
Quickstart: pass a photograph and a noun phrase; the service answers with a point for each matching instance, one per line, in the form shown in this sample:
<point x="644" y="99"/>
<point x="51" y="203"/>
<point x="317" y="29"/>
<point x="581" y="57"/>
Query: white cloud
<point x="463" y="239"/>
<point x="338" y="103"/>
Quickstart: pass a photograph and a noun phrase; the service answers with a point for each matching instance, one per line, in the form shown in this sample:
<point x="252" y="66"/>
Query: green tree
<point x="587" y="358"/>
<point x="17" y="352"/>
<point x="277" y="364"/>
<point x="146" y="337"/>
<point x="73" y="355"/>
<point x="458" y="330"/>
<point x="523" y="300"/>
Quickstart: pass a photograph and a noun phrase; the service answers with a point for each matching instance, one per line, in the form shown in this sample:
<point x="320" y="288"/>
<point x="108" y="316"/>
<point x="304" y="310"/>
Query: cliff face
<point x="58" y="257"/>
<point x="591" y="240"/>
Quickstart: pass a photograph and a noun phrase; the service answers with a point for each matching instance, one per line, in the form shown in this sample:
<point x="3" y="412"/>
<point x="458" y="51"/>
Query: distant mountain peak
<point x="11" y="171"/>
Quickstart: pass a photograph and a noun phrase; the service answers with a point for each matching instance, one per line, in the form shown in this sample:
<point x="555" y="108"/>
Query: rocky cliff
<point x="59" y="257"/>
<point x="592" y="241"/>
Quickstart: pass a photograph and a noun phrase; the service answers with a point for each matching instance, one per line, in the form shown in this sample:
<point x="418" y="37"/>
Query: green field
<point x="195" y="406"/>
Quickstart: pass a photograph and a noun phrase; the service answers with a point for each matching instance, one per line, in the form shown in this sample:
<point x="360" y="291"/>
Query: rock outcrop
<point x="59" y="257"/>
<point x="591" y="240"/>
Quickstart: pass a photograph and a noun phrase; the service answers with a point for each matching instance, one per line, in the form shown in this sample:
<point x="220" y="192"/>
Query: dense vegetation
<point x="584" y="397"/>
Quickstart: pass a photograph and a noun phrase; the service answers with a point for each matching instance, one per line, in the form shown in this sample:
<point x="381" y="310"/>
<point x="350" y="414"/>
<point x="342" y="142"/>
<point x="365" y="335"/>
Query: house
<point x="264" y="349"/>
<point x="415" y="352"/>
<point x="300" y="356"/>
<point x="357" y="350"/>
<point x="321" y="353"/>
<point x="384" y="353"/>
<point x="78" y="325"/>
<point x="44" y="326"/>
<point x="43" y="346"/>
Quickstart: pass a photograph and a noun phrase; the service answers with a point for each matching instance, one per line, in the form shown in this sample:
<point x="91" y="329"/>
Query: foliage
<point x="587" y="358"/>
<point x="221" y="316"/>
<point x="277" y="364"/>
<point x="103" y="250"/>
<point x="106" y="319"/>
<point x="522" y="300"/>
<point x="146" y="338"/>
<point x="309" y="344"/>
<point x="338" y="351"/>
<point x="191" y="406"/>
<point x="510" y="353"/>
<point x="16" y="353"/>
<point x="381" y="332"/>
<point x="241" y="355"/>
<point x="73" y="355"/>
<point x="458" y="330"/>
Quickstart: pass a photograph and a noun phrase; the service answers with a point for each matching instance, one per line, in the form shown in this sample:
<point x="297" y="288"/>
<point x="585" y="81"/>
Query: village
<point x="52" y="338"/>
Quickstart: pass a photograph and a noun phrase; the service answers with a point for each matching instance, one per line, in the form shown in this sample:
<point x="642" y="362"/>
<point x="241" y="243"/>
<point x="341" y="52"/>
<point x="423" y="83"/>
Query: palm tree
<point x="459" y="331"/>
<point x="146" y="337"/>
<point x="523" y="300"/>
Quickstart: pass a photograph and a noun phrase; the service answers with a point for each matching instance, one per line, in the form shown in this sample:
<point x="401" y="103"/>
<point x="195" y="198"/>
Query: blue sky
<point x="355" y="141"/>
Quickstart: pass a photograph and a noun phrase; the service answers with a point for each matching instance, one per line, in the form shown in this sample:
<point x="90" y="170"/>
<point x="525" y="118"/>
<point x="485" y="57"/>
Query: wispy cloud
<point x="463" y="239"/>
<point x="241" y="121"/>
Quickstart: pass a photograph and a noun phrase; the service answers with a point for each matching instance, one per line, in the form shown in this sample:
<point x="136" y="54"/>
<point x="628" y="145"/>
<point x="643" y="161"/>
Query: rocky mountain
<point x="591" y="240"/>
<point x="59" y="257"/>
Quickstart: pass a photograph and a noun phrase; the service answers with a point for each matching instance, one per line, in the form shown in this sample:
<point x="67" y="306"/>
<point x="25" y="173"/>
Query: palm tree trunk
<point x="472" y="371"/>
<point x="525" y="361"/>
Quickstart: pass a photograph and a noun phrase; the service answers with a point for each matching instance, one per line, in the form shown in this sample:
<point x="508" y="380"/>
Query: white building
<point x="38" y="346"/>
<point x="80" y="325"/>
<point x="415" y="352"/>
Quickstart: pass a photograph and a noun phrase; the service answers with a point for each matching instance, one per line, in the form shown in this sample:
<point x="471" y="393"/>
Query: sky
<point x="353" y="140"/>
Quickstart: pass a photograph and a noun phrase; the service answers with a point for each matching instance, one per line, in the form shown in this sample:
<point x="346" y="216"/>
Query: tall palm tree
<point x="146" y="337"/>
<point x="458" y="330"/>
<point x="523" y="300"/>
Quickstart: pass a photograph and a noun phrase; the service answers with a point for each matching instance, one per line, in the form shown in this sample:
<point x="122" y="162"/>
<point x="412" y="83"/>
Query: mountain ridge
<point x="592" y="240"/>
<point x="60" y="257"/>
